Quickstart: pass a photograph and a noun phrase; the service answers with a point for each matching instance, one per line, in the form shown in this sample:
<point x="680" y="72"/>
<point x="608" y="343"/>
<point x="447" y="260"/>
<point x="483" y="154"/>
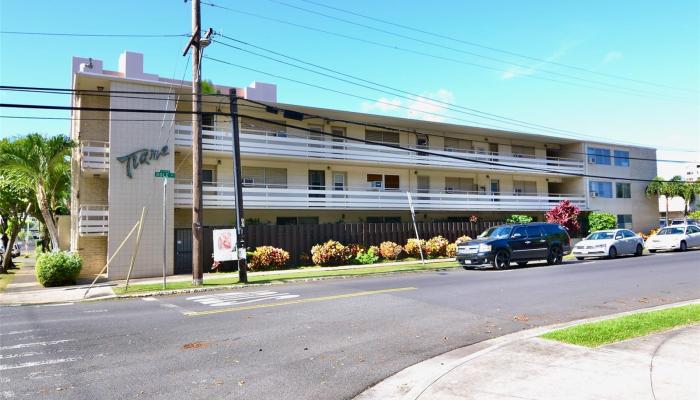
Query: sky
<point x="651" y="48"/>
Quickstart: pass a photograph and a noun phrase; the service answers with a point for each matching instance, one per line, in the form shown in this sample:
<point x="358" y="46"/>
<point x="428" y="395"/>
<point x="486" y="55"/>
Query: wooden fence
<point x="298" y="239"/>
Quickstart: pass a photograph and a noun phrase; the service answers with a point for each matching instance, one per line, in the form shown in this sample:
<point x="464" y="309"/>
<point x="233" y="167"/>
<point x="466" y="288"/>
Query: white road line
<point x="56" y="305"/>
<point x="235" y="298"/>
<point x="23" y="345"/>
<point x="28" y="354"/>
<point x="149" y="299"/>
<point x="37" y="363"/>
<point x="94" y="311"/>
<point x="17" y="332"/>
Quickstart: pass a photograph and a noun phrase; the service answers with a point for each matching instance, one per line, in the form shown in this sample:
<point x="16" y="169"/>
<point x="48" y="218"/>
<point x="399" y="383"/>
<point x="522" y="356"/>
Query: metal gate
<point x="183" y="251"/>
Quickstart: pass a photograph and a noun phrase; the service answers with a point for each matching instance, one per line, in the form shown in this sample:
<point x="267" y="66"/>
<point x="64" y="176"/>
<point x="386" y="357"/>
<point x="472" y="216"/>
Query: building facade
<point x="293" y="173"/>
<point x="676" y="205"/>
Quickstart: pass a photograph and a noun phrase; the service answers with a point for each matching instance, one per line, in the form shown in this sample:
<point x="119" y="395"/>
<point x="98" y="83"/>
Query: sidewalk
<point x="660" y="366"/>
<point x="24" y="289"/>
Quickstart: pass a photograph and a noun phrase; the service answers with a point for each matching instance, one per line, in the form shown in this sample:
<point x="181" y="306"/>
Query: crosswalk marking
<point x="28" y="354"/>
<point x="23" y="345"/>
<point x="237" y="298"/>
<point x="37" y="363"/>
<point x="17" y="332"/>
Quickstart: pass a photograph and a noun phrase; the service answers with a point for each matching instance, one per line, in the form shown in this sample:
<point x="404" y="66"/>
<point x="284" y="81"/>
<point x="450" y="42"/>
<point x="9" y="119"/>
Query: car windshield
<point x="496" y="233"/>
<point x="600" y="235"/>
<point x="672" y="231"/>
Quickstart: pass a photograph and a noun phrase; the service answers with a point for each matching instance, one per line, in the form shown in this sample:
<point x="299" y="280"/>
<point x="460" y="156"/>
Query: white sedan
<point x="675" y="237"/>
<point x="609" y="243"/>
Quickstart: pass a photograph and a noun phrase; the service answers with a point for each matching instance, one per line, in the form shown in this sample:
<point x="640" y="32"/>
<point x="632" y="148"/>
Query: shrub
<point x="599" y="221"/>
<point x="462" y="239"/>
<point x="375" y="250"/>
<point x="413" y="247"/>
<point x="267" y="258"/>
<point x="436" y="247"/>
<point x="390" y="250"/>
<point x="646" y="236"/>
<point x="694" y="215"/>
<point x="354" y="250"/>
<point x="58" y="268"/>
<point x="566" y="215"/>
<point x="367" y="257"/>
<point x="451" y="250"/>
<point x="330" y="253"/>
<point x="519" y="219"/>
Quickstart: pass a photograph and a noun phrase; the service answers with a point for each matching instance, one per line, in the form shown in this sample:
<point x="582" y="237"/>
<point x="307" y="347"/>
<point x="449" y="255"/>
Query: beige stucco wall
<point x="63" y="226"/>
<point x="127" y="195"/>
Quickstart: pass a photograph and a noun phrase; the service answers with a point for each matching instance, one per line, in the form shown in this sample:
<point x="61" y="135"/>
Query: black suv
<point x="520" y="243"/>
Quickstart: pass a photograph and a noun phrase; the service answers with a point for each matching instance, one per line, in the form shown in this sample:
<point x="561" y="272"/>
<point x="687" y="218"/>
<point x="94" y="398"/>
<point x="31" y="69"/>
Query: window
<point x="622" y="158"/>
<point x="378" y="181"/>
<point x="598" y="156"/>
<point x="208" y="121"/>
<point x="693" y="229"/>
<point x="533" y="231"/>
<point x="520" y="232"/>
<point x="422" y="141"/>
<point x="391" y="182"/>
<point x="460" y="185"/>
<point x="262" y="127"/>
<point x="265" y="177"/>
<point x="624" y="221"/>
<point x="628" y="234"/>
<point x="382" y="220"/>
<point x="454" y="144"/>
<point x="600" y="189"/>
<point x="382" y="137"/>
<point x="207" y="176"/>
<point x="622" y="190"/>
<point x="524" y="188"/>
<point x="523" y="151"/>
<point x="339" y="179"/>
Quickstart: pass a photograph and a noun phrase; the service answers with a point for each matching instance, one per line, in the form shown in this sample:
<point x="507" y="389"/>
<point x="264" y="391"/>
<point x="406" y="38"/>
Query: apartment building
<point x="293" y="173"/>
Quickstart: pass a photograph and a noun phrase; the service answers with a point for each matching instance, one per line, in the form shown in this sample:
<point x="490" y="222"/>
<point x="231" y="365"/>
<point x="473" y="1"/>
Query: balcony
<point x="299" y="145"/>
<point x="94" y="157"/>
<point x="93" y="220"/>
<point x="221" y="195"/>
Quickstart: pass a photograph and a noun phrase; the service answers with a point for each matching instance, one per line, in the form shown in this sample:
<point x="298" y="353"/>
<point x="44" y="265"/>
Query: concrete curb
<point x="412" y="382"/>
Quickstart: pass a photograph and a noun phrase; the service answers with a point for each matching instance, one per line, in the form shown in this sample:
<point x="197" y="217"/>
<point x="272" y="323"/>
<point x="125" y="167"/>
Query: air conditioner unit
<point x="248" y="181"/>
<point x="376" y="184"/>
<point x="594" y="195"/>
<point x="591" y="160"/>
<point x="449" y="189"/>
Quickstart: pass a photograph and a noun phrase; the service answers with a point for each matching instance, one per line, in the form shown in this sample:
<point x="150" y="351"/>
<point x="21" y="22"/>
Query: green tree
<point x="44" y="164"/>
<point x="599" y="221"/>
<point x="669" y="189"/>
<point x="519" y="219"/>
<point x="688" y="191"/>
<point x="15" y="203"/>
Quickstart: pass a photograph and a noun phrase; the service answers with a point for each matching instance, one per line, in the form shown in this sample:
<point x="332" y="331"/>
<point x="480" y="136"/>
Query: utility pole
<point x="237" y="181"/>
<point x="194" y="44"/>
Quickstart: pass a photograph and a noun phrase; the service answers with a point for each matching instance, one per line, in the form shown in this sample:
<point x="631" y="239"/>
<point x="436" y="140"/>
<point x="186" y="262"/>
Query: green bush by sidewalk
<point x="600" y="221"/>
<point x="58" y="269"/>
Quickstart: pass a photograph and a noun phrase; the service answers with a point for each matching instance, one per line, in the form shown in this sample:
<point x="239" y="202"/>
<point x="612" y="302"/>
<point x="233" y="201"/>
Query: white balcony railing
<point x="221" y="195"/>
<point x="93" y="220"/>
<point x="282" y="144"/>
<point x="94" y="156"/>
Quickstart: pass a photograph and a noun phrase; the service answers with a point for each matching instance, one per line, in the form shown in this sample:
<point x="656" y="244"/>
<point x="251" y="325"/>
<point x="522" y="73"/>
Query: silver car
<point x="609" y="243"/>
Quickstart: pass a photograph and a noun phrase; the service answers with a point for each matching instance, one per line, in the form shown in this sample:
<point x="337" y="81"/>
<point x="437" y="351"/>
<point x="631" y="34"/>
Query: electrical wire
<point x="495" y="49"/>
<point x="301" y="128"/>
<point x="102" y="35"/>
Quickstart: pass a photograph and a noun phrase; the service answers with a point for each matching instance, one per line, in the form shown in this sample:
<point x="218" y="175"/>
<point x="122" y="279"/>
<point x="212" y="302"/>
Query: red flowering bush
<point x="566" y="215"/>
<point x="413" y="247"/>
<point x="390" y="250"/>
<point x="473" y="219"/>
<point x="354" y="249"/>
<point x="436" y="247"/>
<point x="267" y="258"/>
<point x="330" y="253"/>
<point x="375" y="250"/>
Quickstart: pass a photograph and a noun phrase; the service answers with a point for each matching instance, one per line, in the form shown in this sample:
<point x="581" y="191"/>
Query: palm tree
<point x="660" y="187"/>
<point x="688" y="191"/>
<point x="44" y="162"/>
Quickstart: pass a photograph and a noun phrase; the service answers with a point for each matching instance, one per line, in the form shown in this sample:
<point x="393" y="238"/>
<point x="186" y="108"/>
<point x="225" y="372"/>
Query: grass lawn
<point x="5" y="279"/>
<point x="294" y="274"/>
<point x="614" y="330"/>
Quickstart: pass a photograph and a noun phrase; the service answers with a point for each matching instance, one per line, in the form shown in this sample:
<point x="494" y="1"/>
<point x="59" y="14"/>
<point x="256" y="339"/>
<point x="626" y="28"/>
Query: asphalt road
<point x="319" y="340"/>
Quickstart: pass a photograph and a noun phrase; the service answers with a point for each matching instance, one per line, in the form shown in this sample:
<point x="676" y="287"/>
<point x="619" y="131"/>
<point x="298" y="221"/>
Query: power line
<point x="301" y="128"/>
<point x="478" y="123"/>
<point x="492" y="48"/>
<point x="103" y="35"/>
<point x="418" y="97"/>
<point x="427" y="42"/>
<point x="421" y="53"/>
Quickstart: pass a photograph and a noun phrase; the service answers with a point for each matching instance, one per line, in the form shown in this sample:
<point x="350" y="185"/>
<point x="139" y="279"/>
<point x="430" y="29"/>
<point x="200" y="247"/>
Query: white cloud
<point x="383" y="104"/>
<point x="425" y="106"/>
<point x="612" y="56"/>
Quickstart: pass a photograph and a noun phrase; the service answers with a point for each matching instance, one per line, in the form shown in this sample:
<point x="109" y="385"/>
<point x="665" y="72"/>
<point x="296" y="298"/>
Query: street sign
<point x="164" y="173"/>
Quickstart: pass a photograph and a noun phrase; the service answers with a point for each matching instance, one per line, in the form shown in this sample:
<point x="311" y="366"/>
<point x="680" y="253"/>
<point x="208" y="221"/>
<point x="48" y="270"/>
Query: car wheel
<point x="522" y="263"/>
<point x="554" y="256"/>
<point x="684" y="246"/>
<point x="580" y="258"/>
<point x="612" y="253"/>
<point x="501" y="260"/>
<point x="639" y="250"/>
<point x="652" y="251"/>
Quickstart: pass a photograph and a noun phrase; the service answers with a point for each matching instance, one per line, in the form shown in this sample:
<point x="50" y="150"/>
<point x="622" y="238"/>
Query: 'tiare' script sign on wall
<point x="143" y="156"/>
